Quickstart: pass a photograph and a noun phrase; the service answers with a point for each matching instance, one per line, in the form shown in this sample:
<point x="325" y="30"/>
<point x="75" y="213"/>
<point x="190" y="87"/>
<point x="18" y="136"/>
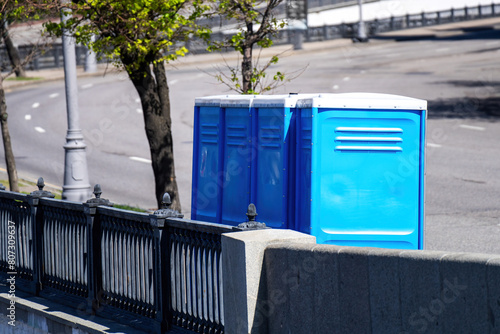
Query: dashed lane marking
<point x="471" y="127"/>
<point x="53" y="96"/>
<point x="146" y="161"/>
<point x="434" y="145"/>
<point x="87" y="86"/>
<point x="39" y="129"/>
<point x="27" y="117"/>
<point x="35" y="105"/>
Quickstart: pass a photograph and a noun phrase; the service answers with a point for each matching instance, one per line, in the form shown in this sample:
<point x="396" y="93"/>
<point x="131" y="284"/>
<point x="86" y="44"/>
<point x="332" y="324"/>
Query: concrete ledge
<point x="370" y="290"/>
<point x="245" y="290"/>
<point x="40" y="316"/>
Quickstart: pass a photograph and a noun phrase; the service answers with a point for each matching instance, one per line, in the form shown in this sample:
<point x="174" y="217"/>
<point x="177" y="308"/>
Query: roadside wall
<point x="302" y="287"/>
<point x="329" y="289"/>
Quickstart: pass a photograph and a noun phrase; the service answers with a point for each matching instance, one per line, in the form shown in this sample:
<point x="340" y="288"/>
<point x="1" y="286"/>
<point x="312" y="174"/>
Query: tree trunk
<point x="155" y="101"/>
<point x="246" y="69"/>
<point x="15" y="60"/>
<point x="9" y="154"/>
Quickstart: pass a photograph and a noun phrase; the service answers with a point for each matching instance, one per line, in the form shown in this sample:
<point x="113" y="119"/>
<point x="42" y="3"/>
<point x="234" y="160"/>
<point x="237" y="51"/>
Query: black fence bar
<point x="65" y="253"/>
<point x="196" y="297"/>
<point x="16" y="238"/>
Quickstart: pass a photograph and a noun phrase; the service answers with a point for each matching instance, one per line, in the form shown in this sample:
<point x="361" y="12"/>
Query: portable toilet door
<point x="367" y="169"/>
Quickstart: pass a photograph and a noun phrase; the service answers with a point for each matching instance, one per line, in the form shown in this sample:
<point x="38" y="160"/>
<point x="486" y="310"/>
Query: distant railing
<point x="52" y="55"/>
<point x="151" y="271"/>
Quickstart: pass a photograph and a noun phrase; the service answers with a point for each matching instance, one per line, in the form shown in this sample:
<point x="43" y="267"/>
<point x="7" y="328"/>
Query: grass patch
<point x="24" y="79"/>
<point x="128" y="207"/>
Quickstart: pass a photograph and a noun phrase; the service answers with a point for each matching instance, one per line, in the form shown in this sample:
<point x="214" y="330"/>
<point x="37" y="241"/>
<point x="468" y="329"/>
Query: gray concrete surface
<point x="324" y="288"/>
<point x="244" y="279"/>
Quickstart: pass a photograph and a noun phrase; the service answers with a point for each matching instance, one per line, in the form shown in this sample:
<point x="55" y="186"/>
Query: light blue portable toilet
<point x="360" y="170"/>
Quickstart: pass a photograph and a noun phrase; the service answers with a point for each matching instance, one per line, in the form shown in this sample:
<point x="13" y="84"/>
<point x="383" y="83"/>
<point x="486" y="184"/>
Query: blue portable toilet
<point x="241" y="155"/>
<point x="346" y="168"/>
<point x="360" y="169"/>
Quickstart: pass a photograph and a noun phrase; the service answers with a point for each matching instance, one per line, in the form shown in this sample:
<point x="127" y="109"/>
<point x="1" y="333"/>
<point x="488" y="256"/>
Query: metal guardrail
<point x="150" y="271"/>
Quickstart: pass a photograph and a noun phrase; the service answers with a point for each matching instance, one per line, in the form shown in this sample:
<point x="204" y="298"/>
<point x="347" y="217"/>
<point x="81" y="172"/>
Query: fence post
<point x="438" y="17"/>
<point x="453" y="15"/>
<point x="466" y="13"/>
<point x="492" y="9"/>
<point x="37" y="219"/>
<point x="407" y="20"/>
<point x="55" y="51"/>
<point x="94" y="269"/>
<point x="423" y="19"/>
<point x="161" y="262"/>
<point x="480" y="11"/>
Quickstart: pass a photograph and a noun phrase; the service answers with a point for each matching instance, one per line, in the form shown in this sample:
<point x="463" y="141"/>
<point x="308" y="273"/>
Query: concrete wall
<point x="309" y="288"/>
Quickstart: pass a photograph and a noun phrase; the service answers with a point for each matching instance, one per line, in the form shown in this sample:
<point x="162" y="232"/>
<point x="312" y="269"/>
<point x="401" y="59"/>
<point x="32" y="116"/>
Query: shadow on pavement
<point x="484" y="32"/>
<point x="486" y="108"/>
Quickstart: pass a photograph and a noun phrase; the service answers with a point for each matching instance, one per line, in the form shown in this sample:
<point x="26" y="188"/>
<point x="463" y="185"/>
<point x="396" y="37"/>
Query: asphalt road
<point x="458" y="75"/>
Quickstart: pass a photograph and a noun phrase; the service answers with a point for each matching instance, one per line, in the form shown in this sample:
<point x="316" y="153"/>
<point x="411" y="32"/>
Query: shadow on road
<point x="487" y="108"/>
<point x="482" y="32"/>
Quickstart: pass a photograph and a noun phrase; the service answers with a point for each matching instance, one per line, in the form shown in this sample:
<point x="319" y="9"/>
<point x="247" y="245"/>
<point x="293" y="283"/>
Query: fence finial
<point x="251" y="224"/>
<point x="40" y="192"/>
<point x="98" y="200"/>
<point x="165" y="210"/>
<point x="97" y="191"/>
<point x="251" y="212"/>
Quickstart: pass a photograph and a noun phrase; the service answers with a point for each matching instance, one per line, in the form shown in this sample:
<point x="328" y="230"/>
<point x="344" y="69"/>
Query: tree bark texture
<point x="154" y="93"/>
<point x="246" y="68"/>
<point x="7" y="145"/>
<point x="14" y="57"/>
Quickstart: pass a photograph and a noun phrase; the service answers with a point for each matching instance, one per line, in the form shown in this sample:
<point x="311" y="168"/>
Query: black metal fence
<point x="150" y="271"/>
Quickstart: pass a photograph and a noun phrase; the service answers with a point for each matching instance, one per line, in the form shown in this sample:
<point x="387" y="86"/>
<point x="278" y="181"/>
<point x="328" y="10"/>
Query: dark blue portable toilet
<point x="360" y="170"/>
<point x="241" y="155"/>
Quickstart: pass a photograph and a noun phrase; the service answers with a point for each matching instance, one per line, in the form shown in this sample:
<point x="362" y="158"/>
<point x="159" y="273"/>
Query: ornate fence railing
<point x="151" y="271"/>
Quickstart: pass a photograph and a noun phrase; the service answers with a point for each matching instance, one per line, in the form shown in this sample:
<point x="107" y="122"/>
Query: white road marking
<point x="346" y="79"/>
<point x="27" y="117"/>
<point x="35" y="105"/>
<point x="139" y="110"/>
<point x="39" y="129"/>
<point x="173" y="82"/>
<point x="146" y="161"/>
<point x="53" y="96"/>
<point x="335" y="87"/>
<point x="87" y="86"/>
<point x="470" y="127"/>
<point x="433" y="145"/>
<point x="137" y="100"/>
